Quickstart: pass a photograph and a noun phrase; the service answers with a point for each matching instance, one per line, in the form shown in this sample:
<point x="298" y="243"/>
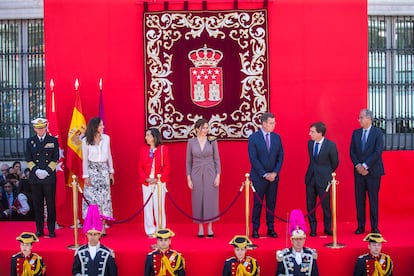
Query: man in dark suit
<point x="4" y="172"/>
<point x="323" y="161"/>
<point x="266" y="158"/>
<point x="42" y="154"/>
<point x="8" y="199"/>
<point x="366" y="149"/>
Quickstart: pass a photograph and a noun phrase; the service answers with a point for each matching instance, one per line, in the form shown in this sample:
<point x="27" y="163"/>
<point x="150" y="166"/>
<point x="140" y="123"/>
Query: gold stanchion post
<point x="75" y="187"/>
<point x="159" y="226"/>
<point x="334" y="243"/>
<point x="247" y="184"/>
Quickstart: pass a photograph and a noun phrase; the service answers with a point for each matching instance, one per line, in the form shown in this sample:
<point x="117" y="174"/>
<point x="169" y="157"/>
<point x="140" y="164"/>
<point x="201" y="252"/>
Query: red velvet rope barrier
<point x="285" y="220"/>
<point x="132" y="216"/>
<point x="208" y="219"/>
<point x="215" y="217"/>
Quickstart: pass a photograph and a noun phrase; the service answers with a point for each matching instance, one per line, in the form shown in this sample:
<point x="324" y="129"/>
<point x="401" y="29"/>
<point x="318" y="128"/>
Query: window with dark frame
<point x="391" y="78"/>
<point x="22" y="83"/>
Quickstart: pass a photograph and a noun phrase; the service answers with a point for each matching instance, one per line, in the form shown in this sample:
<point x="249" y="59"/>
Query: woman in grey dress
<point x="203" y="177"/>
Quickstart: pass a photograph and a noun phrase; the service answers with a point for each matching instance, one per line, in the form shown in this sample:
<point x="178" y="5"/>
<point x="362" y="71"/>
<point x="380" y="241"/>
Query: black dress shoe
<point x="200" y="235"/>
<point x="359" y="231"/>
<point x="375" y="230"/>
<point x="210" y="235"/>
<point x="328" y="232"/>
<point x="39" y="234"/>
<point x="255" y="234"/>
<point x="52" y="235"/>
<point x="272" y="233"/>
<point x="312" y="234"/>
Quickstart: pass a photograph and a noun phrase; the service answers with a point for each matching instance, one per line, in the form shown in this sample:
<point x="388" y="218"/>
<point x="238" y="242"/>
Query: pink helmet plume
<point x="297" y="221"/>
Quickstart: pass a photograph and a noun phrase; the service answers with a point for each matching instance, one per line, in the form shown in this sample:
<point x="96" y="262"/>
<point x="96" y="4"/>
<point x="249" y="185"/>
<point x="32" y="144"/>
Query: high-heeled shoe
<point x="210" y="232"/>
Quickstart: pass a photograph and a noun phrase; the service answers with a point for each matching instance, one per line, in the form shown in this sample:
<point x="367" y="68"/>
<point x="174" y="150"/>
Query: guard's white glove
<point x="41" y="174"/>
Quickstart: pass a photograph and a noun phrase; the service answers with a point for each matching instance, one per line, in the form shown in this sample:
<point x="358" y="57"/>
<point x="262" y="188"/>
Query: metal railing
<point x="391" y="78"/>
<point x="22" y="83"/>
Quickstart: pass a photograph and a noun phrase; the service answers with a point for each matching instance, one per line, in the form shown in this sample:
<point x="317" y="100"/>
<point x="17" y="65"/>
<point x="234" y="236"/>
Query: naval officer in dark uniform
<point x="42" y="154"/>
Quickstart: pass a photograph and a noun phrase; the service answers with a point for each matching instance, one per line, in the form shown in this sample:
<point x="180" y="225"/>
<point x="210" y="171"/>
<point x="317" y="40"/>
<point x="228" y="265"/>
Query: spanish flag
<point x="53" y="130"/>
<point x="76" y="132"/>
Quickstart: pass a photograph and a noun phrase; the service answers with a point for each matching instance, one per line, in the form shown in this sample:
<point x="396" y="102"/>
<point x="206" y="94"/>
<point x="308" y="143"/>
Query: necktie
<point x="267" y="142"/>
<point x="10" y="204"/>
<point x="364" y="139"/>
<point x="41" y="140"/>
<point x="10" y="200"/>
<point x="316" y="150"/>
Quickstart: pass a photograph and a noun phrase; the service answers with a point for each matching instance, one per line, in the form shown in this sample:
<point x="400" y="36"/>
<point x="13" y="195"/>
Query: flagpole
<point x="74" y="142"/>
<point x="159" y="226"/>
<point x="52" y="85"/>
<point x="100" y="107"/>
<point x="54" y="131"/>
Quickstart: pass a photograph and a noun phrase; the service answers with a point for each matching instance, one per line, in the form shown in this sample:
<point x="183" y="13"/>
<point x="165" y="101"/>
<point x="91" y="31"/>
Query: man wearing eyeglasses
<point x="4" y="172"/>
<point x="366" y="149"/>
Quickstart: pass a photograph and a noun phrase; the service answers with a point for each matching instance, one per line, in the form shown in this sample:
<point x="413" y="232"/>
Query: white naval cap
<point x="39" y="123"/>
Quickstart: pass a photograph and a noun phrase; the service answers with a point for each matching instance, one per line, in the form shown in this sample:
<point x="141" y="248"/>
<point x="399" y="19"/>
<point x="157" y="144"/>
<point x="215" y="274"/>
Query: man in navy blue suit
<point x="323" y="161"/>
<point x="367" y="144"/>
<point x="266" y="158"/>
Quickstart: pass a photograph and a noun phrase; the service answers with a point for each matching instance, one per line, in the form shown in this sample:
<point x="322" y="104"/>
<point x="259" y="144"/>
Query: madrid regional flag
<point x="76" y="132"/>
<point x="53" y="130"/>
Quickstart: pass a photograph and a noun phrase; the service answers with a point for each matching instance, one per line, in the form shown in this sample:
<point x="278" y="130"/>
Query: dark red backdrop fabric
<point x="318" y="71"/>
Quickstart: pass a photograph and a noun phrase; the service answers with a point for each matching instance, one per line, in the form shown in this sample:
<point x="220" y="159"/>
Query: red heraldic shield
<point x="206" y="79"/>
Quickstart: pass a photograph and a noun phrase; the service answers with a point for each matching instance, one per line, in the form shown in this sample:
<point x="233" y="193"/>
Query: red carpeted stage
<point x="205" y="256"/>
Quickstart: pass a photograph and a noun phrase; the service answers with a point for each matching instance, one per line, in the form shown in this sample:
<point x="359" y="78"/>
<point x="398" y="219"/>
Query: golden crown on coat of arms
<point x="205" y="57"/>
